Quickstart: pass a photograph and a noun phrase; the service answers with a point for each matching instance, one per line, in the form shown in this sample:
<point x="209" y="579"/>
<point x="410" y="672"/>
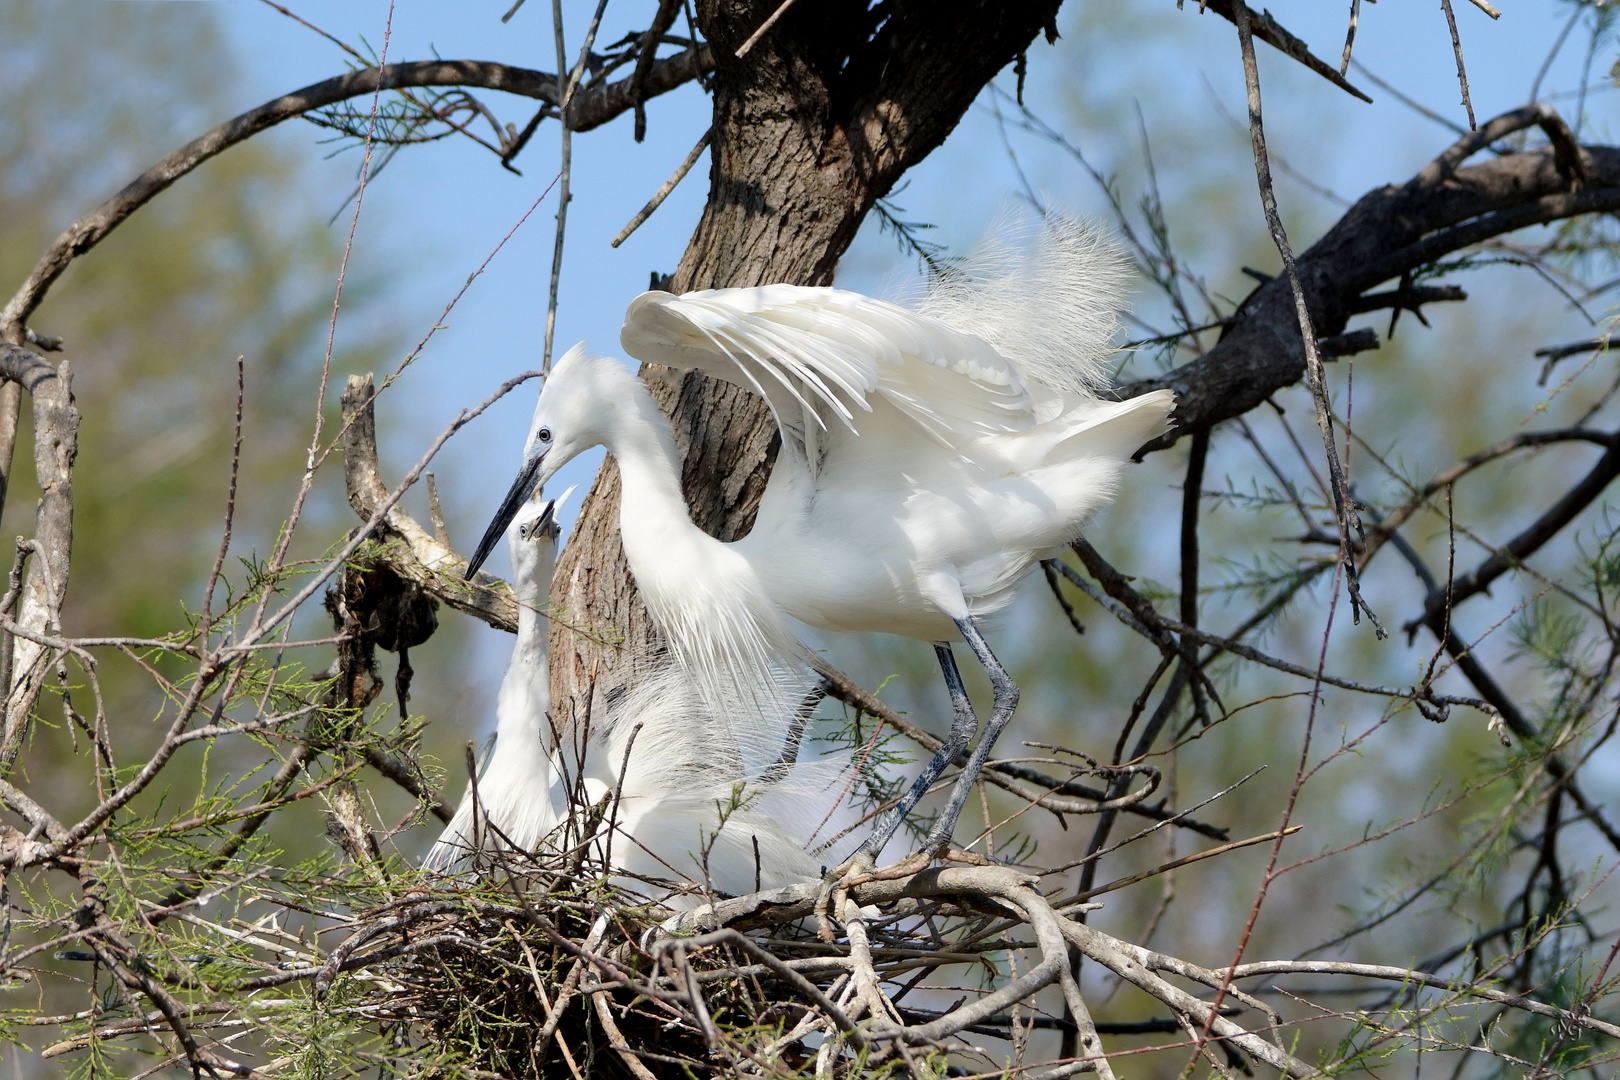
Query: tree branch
<point x="587" y="109"/>
<point x="1522" y="546"/>
<point x="56" y="444"/>
<point x="411" y="552"/>
<point x="1389" y="232"/>
<point x="1270" y="31"/>
<point x="1044" y="791"/>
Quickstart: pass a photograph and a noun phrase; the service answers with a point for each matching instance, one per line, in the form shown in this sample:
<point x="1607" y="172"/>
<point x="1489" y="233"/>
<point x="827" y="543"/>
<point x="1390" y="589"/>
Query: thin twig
<point x="1350" y="35"/>
<point x="663" y="192"/>
<point x="1315" y="377"/>
<point x="764" y="28"/>
<point x="1456" y="48"/>
<point x="565" y="168"/>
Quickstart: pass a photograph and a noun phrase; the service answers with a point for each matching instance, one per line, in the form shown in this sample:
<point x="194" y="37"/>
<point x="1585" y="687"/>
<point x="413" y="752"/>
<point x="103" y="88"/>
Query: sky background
<point x="438" y="211"/>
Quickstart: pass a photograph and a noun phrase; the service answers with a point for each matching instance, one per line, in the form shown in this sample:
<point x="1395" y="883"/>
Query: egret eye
<point x="523" y="532"/>
<point x="544" y="434"/>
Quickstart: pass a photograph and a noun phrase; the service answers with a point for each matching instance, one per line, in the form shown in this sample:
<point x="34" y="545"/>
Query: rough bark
<point x="811" y="127"/>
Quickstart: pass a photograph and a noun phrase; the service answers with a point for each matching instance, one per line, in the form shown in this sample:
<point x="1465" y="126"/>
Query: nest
<point x="548" y="966"/>
<point x="513" y="992"/>
<point x="551" y="973"/>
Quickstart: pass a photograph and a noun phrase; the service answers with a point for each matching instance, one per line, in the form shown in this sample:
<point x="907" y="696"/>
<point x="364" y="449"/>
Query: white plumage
<point x="683" y="788"/>
<point x="687" y="808"/>
<point x="520" y="787"/>
<point x="930" y="457"/>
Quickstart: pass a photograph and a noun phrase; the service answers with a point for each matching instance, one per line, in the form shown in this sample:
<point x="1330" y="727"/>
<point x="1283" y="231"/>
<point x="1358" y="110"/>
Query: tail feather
<point x="1119" y="429"/>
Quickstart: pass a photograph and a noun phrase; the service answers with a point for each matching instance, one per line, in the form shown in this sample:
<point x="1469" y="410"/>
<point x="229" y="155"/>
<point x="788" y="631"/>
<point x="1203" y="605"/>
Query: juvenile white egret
<point x="930" y="457"/>
<point x="678" y="817"/>
<point x="685" y="810"/>
<point x="518" y="788"/>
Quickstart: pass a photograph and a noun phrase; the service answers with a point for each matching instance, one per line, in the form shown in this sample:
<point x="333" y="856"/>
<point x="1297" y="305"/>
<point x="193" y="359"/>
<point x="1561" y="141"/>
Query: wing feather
<point x="819" y="355"/>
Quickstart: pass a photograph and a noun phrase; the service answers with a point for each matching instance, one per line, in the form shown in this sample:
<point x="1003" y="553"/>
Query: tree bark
<point x="811" y="127"/>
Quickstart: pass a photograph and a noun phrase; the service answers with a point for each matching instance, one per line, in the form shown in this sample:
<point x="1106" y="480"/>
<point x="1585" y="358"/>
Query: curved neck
<point x="525" y="694"/>
<point x="532" y="623"/>
<point x="530" y="652"/>
<point x="652" y="509"/>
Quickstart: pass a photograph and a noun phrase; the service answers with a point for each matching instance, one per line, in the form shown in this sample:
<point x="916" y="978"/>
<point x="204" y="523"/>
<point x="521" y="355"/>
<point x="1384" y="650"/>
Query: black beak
<point x="548" y="518"/>
<point x="522" y="488"/>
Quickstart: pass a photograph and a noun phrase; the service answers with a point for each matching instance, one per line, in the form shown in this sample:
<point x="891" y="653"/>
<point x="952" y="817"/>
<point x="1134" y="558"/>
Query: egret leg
<point x="1005" y="701"/>
<point x="779" y="769"/>
<point x="963" y="725"/>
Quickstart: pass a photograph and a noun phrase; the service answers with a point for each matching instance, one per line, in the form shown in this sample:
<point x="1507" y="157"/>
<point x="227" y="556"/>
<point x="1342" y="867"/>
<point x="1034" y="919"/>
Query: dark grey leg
<point x="1005" y="701"/>
<point x="963" y="725"/>
<point x="779" y="769"/>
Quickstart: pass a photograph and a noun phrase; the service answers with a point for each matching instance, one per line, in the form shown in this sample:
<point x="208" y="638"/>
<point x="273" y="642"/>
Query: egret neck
<point x="705" y="595"/>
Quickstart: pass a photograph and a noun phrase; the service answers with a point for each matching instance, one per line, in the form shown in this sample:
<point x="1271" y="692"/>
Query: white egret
<point x="678" y="816"/>
<point x="518" y="788"/>
<point x="930" y="457"/>
<point x="684" y="809"/>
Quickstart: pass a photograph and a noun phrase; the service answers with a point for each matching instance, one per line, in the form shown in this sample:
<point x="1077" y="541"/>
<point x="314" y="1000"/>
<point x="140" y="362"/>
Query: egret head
<point x="532" y="540"/>
<point x="567" y="422"/>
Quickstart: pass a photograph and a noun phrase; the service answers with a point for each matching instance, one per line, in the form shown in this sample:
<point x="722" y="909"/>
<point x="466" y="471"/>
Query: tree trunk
<point x="811" y="127"/>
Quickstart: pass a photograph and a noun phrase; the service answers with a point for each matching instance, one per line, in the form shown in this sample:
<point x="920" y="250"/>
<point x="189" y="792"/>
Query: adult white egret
<point x="678" y="817"/>
<point x="930" y="457"/>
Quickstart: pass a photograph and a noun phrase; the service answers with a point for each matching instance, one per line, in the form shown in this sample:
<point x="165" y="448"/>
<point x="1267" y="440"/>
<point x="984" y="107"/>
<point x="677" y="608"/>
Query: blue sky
<point x="437" y="211"/>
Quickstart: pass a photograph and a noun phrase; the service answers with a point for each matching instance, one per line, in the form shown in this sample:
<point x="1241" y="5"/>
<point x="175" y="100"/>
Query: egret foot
<point x="860" y="868"/>
<point x="835" y="885"/>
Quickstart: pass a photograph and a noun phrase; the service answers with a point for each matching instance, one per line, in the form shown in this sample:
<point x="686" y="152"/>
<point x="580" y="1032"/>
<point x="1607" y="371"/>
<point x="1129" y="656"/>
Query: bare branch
<point x="587" y="109"/>
<point x="56" y="444"/>
<point x="1528" y="542"/>
<point x="1387" y="233"/>
<point x="662" y="193"/>
<point x="1270" y="31"/>
<point x="1456" y="48"/>
<point x="414" y="553"/>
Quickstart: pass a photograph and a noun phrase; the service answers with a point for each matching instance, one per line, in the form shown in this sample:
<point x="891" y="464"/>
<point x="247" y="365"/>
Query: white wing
<point x="818" y="355"/>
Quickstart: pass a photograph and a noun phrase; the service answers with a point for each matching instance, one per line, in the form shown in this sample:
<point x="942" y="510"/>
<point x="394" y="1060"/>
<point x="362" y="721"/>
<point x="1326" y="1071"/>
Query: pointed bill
<point x="522" y="488"/>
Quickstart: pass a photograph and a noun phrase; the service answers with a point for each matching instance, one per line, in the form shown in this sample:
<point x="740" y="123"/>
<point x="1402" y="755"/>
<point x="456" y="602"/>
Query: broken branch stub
<point x="406" y="548"/>
<point x="39" y="610"/>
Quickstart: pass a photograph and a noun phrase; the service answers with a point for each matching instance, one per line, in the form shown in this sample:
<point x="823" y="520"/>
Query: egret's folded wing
<point x="818" y="355"/>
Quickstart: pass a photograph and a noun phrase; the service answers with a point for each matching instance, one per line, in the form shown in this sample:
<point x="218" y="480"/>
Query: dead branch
<point x="410" y="550"/>
<point x="1270" y="31"/>
<point x="1388" y="233"/>
<point x="56" y="444"/>
<point x="589" y="108"/>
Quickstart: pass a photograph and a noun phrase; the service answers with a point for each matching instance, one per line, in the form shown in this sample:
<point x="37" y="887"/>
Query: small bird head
<point x="532" y="540"/>
<point x="567" y="422"/>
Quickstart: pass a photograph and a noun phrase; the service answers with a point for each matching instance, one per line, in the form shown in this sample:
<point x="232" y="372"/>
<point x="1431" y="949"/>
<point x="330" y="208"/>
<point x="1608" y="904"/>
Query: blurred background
<point x="240" y="259"/>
